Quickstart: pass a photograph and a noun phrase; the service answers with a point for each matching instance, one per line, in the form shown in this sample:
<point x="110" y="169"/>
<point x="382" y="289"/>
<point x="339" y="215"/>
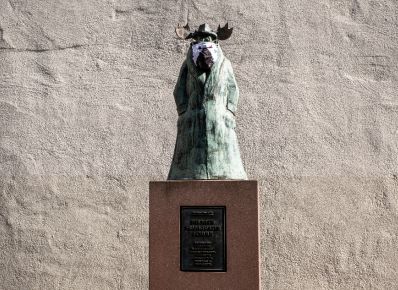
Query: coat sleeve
<point x="180" y="91"/>
<point x="232" y="88"/>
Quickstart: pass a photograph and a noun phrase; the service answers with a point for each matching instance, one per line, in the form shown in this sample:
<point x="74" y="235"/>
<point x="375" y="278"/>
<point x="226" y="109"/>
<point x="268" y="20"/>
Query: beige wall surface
<point x="87" y="119"/>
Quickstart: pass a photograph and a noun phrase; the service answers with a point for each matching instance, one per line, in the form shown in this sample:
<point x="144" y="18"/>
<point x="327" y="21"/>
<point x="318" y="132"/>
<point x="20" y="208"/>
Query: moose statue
<point x="206" y="96"/>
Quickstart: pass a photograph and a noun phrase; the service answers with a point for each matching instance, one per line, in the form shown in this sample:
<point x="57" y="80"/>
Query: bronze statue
<point x="206" y="95"/>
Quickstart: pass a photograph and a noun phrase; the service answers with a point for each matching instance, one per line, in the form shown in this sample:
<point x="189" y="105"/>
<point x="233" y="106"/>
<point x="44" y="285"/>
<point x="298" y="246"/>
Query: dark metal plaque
<point x="202" y="234"/>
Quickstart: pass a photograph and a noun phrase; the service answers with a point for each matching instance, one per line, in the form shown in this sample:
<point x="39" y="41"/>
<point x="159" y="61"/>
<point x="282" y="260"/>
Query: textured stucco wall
<point x="87" y="119"/>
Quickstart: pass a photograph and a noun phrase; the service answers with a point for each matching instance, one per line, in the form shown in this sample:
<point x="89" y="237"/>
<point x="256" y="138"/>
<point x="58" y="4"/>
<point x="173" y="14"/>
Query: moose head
<point x="204" y="43"/>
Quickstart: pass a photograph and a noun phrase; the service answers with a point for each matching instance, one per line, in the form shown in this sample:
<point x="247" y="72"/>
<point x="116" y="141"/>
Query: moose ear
<point x="224" y="33"/>
<point x="182" y="31"/>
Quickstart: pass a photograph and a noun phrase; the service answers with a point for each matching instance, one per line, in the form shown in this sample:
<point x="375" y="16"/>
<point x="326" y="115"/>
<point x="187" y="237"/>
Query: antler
<point x="224" y="33"/>
<point x="182" y="31"/>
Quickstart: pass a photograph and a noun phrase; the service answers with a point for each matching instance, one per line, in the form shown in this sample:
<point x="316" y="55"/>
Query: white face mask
<point x="197" y="49"/>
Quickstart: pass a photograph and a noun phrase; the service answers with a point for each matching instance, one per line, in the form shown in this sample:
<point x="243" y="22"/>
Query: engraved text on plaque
<point x="202" y="233"/>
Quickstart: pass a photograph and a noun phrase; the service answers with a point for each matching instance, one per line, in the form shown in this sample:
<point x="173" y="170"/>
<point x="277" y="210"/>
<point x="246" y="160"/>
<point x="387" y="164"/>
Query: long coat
<point x="206" y="145"/>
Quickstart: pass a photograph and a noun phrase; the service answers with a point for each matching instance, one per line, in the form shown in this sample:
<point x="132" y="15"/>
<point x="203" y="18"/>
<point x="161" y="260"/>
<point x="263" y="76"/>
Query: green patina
<point x="206" y="145"/>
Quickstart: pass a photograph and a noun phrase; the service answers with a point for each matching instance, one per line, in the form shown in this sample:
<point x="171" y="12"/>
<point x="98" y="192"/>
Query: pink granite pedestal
<point x="240" y="199"/>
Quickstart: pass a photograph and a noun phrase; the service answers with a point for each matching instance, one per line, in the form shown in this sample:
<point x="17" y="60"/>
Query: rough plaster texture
<point x="87" y="119"/>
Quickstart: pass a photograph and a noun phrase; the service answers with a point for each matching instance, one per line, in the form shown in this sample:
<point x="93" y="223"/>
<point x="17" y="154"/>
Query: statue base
<point x="203" y="234"/>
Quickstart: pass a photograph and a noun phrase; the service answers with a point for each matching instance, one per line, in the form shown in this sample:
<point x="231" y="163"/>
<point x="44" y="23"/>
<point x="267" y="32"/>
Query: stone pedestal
<point x="203" y="234"/>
